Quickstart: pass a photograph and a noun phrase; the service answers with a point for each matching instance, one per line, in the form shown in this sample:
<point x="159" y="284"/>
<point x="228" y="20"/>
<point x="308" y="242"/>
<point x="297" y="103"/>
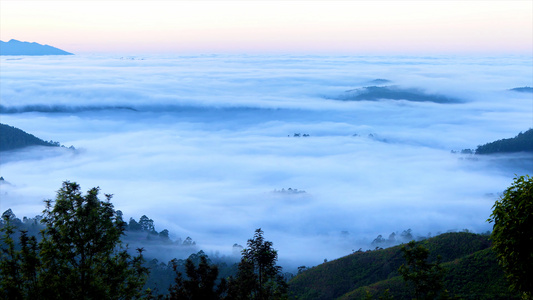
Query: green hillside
<point x="475" y="276"/>
<point x="472" y="272"/>
<point x="12" y="138"/>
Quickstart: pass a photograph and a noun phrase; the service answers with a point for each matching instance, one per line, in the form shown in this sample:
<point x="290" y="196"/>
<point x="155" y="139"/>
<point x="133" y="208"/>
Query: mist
<point x="204" y="145"/>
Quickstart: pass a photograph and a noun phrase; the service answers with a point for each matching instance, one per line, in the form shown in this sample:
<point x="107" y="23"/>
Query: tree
<point x="425" y="277"/>
<point x="12" y="285"/>
<point x="406" y="235"/>
<point x="512" y="234"/>
<point x="81" y="249"/>
<point x="80" y="255"/>
<point x="163" y="235"/>
<point x="18" y="262"/>
<point x="188" y="242"/>
<point x="146" y="224"/>
<point x="200" y="283"/>
<point x="134" y="225"/>
<point x="258" y="276"/>
<point x="9" y="215"/>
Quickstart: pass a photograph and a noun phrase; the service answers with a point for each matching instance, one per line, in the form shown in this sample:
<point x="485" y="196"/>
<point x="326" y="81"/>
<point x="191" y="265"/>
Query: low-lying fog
<point x="204" y="145"/>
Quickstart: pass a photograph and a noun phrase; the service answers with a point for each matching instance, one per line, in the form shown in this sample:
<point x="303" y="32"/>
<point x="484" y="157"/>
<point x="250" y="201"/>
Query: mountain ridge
<point x="16" y="47"/>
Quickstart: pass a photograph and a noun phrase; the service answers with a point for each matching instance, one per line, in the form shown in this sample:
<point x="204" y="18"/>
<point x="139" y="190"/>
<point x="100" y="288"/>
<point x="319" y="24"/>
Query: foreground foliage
<point x="80" y="255"/>
<point x="425" y="277"/>
<point x="512" y="234"/>
<point x="258" y="276"/>
<point x="199" y="284"/>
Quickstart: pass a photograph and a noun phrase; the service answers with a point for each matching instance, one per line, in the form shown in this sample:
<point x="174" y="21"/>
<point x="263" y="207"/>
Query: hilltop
<point x="14" y="47"/>
<point x="375" y="93"/>
<point x="523" y="142"/>
<point x="12" y="138"/>
<point x="523" y="89"/>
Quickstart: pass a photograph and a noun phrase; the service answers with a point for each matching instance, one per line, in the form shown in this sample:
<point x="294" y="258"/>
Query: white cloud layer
<point x="205" y="140"/>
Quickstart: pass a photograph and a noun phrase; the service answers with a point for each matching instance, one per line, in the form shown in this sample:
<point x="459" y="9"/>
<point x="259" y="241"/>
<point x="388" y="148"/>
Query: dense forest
<point x="159" y="250"/>
<point x="472" y="271"/>
<point x="12" y="138"/>
<point x="76" y="250"/>
<point x="523" y="142"/>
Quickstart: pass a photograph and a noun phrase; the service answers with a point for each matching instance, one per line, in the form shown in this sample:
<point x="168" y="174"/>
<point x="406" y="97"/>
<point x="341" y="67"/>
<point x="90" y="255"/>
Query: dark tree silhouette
<point x="258" y="276"/>
<point x="200" y="283"/>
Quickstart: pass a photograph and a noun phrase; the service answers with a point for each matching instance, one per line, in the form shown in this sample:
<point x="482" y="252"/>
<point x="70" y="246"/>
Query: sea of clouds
<point x="204" y="145"/>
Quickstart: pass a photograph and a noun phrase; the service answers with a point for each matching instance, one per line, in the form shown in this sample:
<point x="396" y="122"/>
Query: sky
<point x="324" y="27"/>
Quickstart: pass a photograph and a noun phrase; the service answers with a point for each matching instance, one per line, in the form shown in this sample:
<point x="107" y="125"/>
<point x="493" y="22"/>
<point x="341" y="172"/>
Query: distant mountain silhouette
<point x="14" y="47"/>
<point x="379" y="81"/>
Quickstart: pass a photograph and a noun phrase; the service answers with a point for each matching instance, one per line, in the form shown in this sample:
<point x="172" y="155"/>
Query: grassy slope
<point x="472" y="271"/>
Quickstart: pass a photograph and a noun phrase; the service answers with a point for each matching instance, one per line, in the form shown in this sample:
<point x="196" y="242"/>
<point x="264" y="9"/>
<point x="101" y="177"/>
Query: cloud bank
<point x="201" y="144"/>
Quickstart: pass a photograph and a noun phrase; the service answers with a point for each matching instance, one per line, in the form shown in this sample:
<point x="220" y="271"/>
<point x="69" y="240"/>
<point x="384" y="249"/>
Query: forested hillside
<point x="523" y="142"/>
<point x="76" y="250"/>
<point x="159" y="249"/>
<point x="12" y="138"/>
<point x="472" y="272"/>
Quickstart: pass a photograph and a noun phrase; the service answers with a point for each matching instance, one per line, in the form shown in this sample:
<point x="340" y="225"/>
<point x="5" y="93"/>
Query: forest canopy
<point x="12" y="138"/>
<point x="523" y="142"/>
